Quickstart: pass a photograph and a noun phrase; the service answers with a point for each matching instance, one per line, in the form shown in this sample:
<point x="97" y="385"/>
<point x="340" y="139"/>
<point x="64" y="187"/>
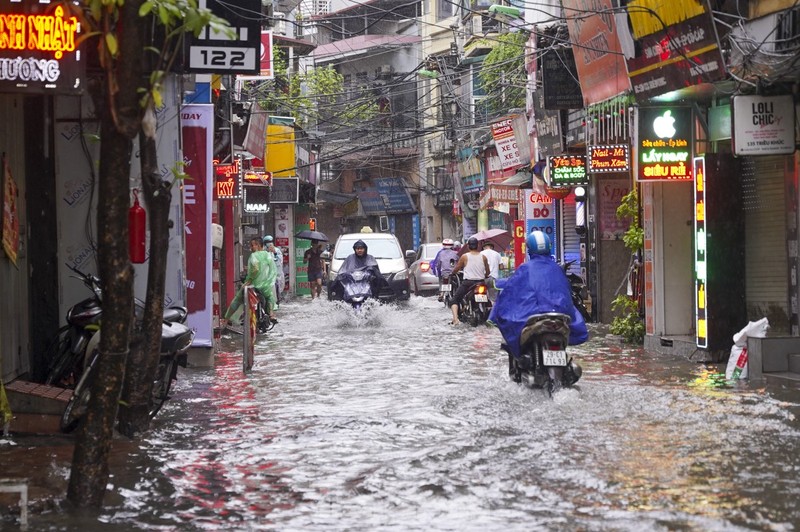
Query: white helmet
<point x="447" y="242"/>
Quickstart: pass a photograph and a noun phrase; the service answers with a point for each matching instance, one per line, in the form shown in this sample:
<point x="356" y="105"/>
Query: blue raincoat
<point x="539" y="285"/>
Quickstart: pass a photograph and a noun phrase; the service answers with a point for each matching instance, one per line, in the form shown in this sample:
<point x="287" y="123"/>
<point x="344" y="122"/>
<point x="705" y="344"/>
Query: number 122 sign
<point x="238" y="52"/>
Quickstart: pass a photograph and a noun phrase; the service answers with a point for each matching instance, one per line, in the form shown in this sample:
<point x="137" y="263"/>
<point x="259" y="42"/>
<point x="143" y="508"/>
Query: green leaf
<point x="111" y="44"/>
<point x="145" y="9"/>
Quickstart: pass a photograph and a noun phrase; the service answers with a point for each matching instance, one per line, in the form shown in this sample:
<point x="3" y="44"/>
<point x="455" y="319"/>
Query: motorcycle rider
<point x="538" y="285"/>
<point x="476" y="269"/>
<point x="361" y="260"/>
<point x="269" y="245"/>
<point x="444" y="261"/>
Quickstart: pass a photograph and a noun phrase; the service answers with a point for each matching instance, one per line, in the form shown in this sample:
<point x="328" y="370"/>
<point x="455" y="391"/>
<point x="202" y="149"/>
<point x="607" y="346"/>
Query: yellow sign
<point x="279" y="155"/>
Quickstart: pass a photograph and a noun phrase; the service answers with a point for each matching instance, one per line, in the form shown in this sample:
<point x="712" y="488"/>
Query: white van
<point x="386" y="250"/>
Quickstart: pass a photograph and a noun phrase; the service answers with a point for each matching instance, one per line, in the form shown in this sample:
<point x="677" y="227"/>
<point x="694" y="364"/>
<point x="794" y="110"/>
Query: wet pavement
<point x="391" y="419"/>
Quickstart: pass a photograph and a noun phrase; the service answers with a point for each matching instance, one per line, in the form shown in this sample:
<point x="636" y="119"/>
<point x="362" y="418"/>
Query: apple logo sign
<point x="664" y="126"/>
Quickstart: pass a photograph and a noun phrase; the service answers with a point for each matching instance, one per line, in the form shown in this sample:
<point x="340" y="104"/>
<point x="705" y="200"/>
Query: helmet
<point x="360" y="244"/>
<point x="537" y="243"/>
<point x="268" y="239"/>
<point x="472" y="243"/>
<point x="447" y="242"/>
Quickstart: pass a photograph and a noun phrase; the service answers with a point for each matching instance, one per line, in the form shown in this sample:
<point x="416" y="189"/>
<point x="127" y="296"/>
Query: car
<point x="421" y="278"/>
<point x="389" y="255"/>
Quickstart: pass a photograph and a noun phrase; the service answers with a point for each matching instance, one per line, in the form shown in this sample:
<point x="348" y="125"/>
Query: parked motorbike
<point x="76" y="364"/>
<point x="578" y="289"/>
<point x="543" y="361"/>
<point x="475" y="306"/>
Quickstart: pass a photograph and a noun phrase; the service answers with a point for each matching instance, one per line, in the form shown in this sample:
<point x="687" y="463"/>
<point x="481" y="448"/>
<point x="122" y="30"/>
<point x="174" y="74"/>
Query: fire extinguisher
<point x="137" y="223"/>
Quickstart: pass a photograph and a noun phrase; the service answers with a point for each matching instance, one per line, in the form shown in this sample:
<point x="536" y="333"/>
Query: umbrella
<point x="499" y="237"/>
<point x="312" y="235"/>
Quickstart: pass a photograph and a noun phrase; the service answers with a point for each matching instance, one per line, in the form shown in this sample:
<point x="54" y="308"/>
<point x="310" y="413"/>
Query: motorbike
<point x="543" y="361"/>
<point x="578" y="289"/>
<point x="475" y="306"/>
<point x="356" y="286"/>
<point x="75" y="365"/>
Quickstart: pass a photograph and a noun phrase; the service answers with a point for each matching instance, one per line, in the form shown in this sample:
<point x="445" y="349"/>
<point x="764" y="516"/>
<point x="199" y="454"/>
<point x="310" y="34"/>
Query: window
<point x="446" y="9"/>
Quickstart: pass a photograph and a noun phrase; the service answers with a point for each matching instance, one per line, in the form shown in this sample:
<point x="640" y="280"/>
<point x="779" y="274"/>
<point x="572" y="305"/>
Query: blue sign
<point x="415" y="228"/>
<point x="388" y="196"/>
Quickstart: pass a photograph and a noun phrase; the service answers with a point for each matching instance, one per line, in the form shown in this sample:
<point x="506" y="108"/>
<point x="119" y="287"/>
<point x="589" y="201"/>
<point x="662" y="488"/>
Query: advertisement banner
<point x="598" y="55"/>
<point x="506" y="142"/>
<point x="197" y="131"/>
<point x="540" y="215"/>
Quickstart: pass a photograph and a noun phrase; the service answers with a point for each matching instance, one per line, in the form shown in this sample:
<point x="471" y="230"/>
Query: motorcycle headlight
<point x="401" y="275"/>
<point x="184" y="342"/>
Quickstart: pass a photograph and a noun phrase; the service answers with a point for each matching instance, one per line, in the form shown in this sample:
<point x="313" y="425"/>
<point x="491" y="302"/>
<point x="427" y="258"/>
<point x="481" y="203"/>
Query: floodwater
<point x="391" y="419"/>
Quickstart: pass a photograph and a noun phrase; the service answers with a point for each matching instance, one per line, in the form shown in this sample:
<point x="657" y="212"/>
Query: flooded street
<point x="393" y="419"/>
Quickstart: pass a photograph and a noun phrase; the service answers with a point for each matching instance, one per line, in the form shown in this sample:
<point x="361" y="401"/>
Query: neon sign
<point x="38" y="49"/>
<point x="568" y="170"/>
<point x="665" y="137"/>
<point x="700" y="255"/>
<point x="603" y="159"/>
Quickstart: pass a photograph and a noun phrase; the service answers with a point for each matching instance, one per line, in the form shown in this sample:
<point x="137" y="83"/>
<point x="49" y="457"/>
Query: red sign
<point x="226" y="170"/>
<point x="519" y="243"/>
<point x="259" y="177"/>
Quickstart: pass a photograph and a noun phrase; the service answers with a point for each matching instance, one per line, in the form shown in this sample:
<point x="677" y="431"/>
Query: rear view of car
<point x="421" y="275"/>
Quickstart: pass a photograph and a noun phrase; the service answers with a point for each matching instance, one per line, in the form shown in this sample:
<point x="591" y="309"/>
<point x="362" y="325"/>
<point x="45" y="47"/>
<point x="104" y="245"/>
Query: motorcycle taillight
<point x="480" y="289"/>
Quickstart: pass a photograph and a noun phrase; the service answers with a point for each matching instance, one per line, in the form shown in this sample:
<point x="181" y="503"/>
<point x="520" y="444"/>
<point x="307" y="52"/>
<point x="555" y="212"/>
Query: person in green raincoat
<point x="261" y="273"/>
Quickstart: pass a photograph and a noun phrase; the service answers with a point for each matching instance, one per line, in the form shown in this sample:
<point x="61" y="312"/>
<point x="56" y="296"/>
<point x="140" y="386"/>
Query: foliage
<point x="313" y="96"/>
<point x="627" y="323"/>
<point x="502" y="73"/>
<point x="629" y="209"/>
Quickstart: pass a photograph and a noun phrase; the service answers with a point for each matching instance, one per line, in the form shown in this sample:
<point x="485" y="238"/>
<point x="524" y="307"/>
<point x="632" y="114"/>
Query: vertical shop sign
<point x="540" y="215"/>
<point x="506" y="142"/>
<point x="197" y="133"/>
<point x="302" y="220"/>
<point x="519" y="242"/>
<point x="701" y="295"/>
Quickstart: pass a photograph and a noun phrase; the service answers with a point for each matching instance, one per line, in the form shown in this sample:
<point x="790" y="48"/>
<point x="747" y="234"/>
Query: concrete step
<point x="786" y="378"/>
<point x="37" y="408"/>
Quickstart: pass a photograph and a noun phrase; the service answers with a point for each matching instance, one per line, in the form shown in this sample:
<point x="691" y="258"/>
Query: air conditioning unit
<point x="279" y="23"/>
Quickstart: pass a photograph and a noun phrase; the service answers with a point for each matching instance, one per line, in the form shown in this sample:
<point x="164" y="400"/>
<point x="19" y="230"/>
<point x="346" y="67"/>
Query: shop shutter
<point x="571" y="241"/>
<point x="766" y="263"/>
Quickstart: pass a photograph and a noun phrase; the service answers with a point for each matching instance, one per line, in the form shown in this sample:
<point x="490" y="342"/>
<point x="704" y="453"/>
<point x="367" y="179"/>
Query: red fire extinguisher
<point x="137" y="223"/>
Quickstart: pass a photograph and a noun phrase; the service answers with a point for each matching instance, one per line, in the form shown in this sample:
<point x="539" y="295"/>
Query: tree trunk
<point x="143" y="362"/>
<point x="117" y="103"/>
<point x="90" y="459"/>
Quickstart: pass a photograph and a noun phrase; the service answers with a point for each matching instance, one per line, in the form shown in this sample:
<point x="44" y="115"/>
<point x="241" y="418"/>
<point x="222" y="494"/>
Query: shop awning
<point x="520" y="179"/>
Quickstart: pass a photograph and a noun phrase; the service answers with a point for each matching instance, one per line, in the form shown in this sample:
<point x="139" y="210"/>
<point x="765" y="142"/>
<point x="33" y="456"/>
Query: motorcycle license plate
<point x="445" y="288"/>
<point x="481" y="298"/>
<point x="554" y="358"/>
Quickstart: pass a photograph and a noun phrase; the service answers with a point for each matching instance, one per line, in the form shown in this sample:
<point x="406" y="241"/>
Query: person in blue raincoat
<point x="539" y="285"/>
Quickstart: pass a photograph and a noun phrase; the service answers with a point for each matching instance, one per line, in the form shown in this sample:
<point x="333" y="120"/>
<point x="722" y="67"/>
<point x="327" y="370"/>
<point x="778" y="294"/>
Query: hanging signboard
<point x="608" y="158"/>
<point x="671" y="45"/>
<point x="255" y="198"/>
<point x="665" y="139"/>
<point x="763" y="125"/>
<point x="39" y="50"/>
<point x="227" y="181"/>
<point x="258" y="176"/>
<point x="506" y="142"/>
<point x="568" y="170"/>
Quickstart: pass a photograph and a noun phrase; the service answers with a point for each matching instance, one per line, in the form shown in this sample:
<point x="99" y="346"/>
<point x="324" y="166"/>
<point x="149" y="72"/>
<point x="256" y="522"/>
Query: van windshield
<point x="380" y="249"/>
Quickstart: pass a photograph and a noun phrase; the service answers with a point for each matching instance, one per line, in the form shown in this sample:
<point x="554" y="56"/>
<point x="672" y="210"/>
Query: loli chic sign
<point x="763" y="125"/>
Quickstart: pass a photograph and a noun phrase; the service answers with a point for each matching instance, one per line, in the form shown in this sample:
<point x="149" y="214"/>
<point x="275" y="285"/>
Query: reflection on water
<point x="388" y="417"/>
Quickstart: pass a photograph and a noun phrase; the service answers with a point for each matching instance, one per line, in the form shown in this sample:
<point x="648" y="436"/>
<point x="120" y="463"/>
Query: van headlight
<point x="401" y="275"/>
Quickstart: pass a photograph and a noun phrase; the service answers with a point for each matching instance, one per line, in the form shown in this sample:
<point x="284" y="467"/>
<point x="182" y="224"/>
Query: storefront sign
<point x="227" y="181"/>
<point x="763" y="125"/>
<point x="255" y="199"/>
<point x="665" y="144"/>
<point x="284" y="190"/>
<point x="39" y="49"/>
<point x="605" y="159"/>
<point x="567" y="170"/>
<point x="470" y="170"/>
<point x="560" y="80"/>
<point x="540" y="216"/>
<point x="664" y="59"/>
<point x="258" y="177"/>
<point x="701" y="295"/>
<point x="506" y="142"/>
<point x="548" y="127"/>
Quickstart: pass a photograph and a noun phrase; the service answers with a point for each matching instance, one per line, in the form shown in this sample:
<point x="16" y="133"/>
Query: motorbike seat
<point x="175" y="314"/>
<point x="546" y="322"/>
